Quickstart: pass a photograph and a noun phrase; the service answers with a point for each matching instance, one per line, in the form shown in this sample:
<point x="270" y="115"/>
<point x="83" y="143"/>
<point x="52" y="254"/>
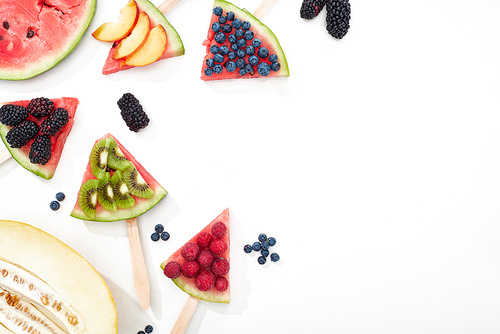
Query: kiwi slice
<point x="136" y="184"/>
<point x="105" y="195"/>
<point x="87" y="198"/>
<point x="123" y="197"/>
<point x="99" y="158"/>
<point x="116" y="158"/>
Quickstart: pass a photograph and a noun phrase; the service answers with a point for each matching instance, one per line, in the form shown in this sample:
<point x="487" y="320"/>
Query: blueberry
<point x="224" y="50"/>
<point x="275" y="66"/>
<point x="264" y="252"/>
<point x="265" y="245"/>
<point x="264" y="69"/>
<point x="141" y="332"/>
<point x="208" y="71"/>
<point x="240" y="63"/>
<point x="227" y="28"/>
<point x="222" y="19"/>
<point x="60" y="197"/>
<point x="261" y="260"/>
<point x="250" y="50"/>
<point x="220" y="37"/>
<point x="210" y="62"/>
<point x="230" y="66"/>
<point x="214" y="49"/>
<point x="218" y="58"/>
<point x="236" y="23"/>
<point x="218" y="69"/>
<point x="230" y="16"/>
<point x="218" y="11"/>
<point x="271" y="240"/>
<point x="254" y="60"/>
<point x="256" y="246"/>
<point x="239" y="32"/>
<point x="159" y="228"/>
<point x="249" y="68"/>
<point x="216" y="26"/>
<point x="273" y="58"/>
<point x="54" y="205"/>
<point x="242" y="72"/>
<point x="240" y="53"/>
<point x="241" y="43"/>
<point x="165" y="236"/>
<point x="256" y="42"/>
<point x="246" y="25"/>
<point x="232" y="38"/>
<point x="234" y="47"/>
<point x="263" y="52"/>
<point x="275" y="257"/>
<point x="247" y="249"/>
<point x="155" y="236"/>
<point x="231" y="55"/>
<point x="248" y="35"/>
<point x="262" y="237"/>
<point x="148" y="329"/>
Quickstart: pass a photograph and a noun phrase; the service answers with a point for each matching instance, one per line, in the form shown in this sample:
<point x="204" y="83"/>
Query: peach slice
<point x="136" y="39"/>
<point x="152" y="49"/>
<point x="114" y="31"/>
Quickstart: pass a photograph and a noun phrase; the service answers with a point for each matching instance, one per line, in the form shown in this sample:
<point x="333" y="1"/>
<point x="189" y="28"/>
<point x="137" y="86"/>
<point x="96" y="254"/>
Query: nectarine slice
<point x="152" y="49"/>
<point x="114" y="31"/>
<point x="136" y="39"/>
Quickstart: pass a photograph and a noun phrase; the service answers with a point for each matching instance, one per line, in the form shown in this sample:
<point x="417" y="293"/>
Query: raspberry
<point x="205" y="280"/>
<point x="55" y="122"/>
<point x="132" y="112"/>
<point x="219" y="230"/>
<point x="206" y="258"/>
<point x="41" y="150"/>
<point x="21" y="134"/>
<point x="40" y="107"/>
<point x="204" y="239"/>
<point x="190" y="251"/>
<point x="190" y="268"/>
<point x="218" y="246"/>
<point x="220" y="266"/>
<point x="172" y="270"/>
<point x="221" y="284"/>
<point x="12" y="115"/>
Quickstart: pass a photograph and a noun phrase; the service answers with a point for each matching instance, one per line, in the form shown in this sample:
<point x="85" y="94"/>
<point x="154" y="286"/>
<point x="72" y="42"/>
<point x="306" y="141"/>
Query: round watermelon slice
<point x="141" y="204"/>
<point x="21" y="155"/>
<point x="240" y="46"/>
<point x="36" y="35"/>
<point x="188" y="285"/>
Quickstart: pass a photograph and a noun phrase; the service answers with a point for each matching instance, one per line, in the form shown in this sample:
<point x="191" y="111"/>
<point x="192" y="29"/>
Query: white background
<point x="376" y="165"/>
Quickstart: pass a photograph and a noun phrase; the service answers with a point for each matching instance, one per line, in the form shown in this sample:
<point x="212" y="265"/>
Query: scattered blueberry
<point x="224" y="50"/>
<point x="159" y="228"/>
<point x="245" y="25"/>
<point x="148" y="329"/>
<point x="262" y="237"/>
<point x="230" y="66"/>
<point x="218" y="58"/>
<point x="60" y="197"/>
<point x="254" y="60"/>
<point x="227" y="28"/>
<point x="240" y="53"/>
<point x="264" y="69"/>
<point x="275" y="66"/>
<point x="216" y="26"/>
<point x="271" y="241"/>
<point x="264" y="245"/>
<point x="218" y="11"/>
<point x="214" y="49"/>
<point x="54" y="205"/>
<point x="256" y="42"/>
<point x="239" y="33"/>
<point x="250" y="50"/>
<point x="232" y="38"/>
<point x="236" y="23"/>
<point x="240" y="63"/>
<point x="218" y="69"/>
<point x="141" y="332"/>
<point x="248" y="35"/>
<point x="247" y="249"/>
<point x="263" y="52"/>
<point x="275" y="257"/>
<point x="220" y="37"/>
<point x="231" y="55"/>
<point x="241" y="43"/>
<point x="210" y="62"/>
<point x="273" y="58"/>
<point x="165" y="236"/>
<point x="262" y="259"/>
<point x="230" y="16"/>
<point x="222" y="19"/>
<point x="256" y="246"/>
<point x="264" y="252"/>
<point x="155" y="236"/>
<point x="208" y="71"/>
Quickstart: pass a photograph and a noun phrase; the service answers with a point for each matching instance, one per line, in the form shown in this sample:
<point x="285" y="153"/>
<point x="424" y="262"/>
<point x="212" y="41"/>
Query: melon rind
<point x="64" y="270"/>
<point x="47" y="63"/>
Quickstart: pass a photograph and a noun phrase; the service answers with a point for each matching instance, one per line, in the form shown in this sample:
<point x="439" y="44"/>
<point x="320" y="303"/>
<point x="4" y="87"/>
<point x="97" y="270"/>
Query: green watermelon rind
<point x="48" y="63"/>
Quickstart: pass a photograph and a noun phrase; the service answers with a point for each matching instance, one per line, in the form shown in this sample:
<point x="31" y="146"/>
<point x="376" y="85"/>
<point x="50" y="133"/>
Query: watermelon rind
<point x="48" y="62"/>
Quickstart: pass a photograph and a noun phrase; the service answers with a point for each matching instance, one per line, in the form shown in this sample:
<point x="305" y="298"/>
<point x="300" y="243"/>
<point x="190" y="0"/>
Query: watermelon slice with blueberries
<point x="201" y="266"/>
<point x="240" y="46"/>
<point x="115" y="186"/>
<point x="37" y="35"/>
<point x="35" y="131"/>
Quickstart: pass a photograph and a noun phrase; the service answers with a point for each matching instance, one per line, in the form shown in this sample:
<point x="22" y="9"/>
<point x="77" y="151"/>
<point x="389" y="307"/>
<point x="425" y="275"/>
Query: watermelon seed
<point x="1" y="38"/>
<point x="6" y="25"/>
<point x="30" y="34"/>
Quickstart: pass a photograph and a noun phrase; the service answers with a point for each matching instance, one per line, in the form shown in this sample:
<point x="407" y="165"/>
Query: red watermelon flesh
<point x="188" y="285"/>
<point x="21" y="155"/>
<point x="141" y="204"/>
<point x="174" y="43"/>
<point x="260" y="32"/>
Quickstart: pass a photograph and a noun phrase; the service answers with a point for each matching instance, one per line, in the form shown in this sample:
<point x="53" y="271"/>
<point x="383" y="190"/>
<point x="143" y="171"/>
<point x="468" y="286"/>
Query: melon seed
<point x="6" y="24"/>
<point x="30" y="34"/>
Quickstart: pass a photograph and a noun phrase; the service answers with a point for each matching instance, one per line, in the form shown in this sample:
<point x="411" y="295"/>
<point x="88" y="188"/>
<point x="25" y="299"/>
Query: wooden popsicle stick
<point x="4" y="155"/>
<point x="263" y="8"/>
<point x="186" y="313"/>
<point x="167" y="5"/>
<point x="141" y="280"/>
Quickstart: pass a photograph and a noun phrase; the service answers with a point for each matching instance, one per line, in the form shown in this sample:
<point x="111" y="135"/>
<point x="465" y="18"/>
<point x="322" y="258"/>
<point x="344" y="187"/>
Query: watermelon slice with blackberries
<point x="47" y="141"/>
<point x="240" y="46"/>
<point x="201" y="266"/>
<point x="115" y="185"/>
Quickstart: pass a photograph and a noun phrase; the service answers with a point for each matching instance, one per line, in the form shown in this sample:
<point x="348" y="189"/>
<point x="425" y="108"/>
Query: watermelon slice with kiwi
<point x="115" y="186"/>
<point x="21" y="155"/>
<point x="240" y="46"/>
<point x="36" y="35"/>
<point x="200" y="267"/>
<point x="174" y="46"/>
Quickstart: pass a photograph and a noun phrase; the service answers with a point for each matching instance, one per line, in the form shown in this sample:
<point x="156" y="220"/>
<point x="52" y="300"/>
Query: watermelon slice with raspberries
<point x="36" y="35"/>
<point x="174" y="47"/>
<point x="115" y="186"/>
<point x="57" y="141"/>
<point x="240" y="46"/>
<point x="201" y="266"/>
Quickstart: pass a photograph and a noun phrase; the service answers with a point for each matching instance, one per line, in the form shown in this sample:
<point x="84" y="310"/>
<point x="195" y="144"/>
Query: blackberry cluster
<point x="132" y="112"/>
<point x="311" y="8"/>
<point x="41" y="150"/>
<point x="338" y="15"/>
<point x="12" y="115"/>
<point x="55" y="122"/>
<point x="21" y="134"/>
<point x="40" y="107"/>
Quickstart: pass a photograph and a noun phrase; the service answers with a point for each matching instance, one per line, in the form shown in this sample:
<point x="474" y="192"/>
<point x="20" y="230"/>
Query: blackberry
<point x="55" y="122"/>
<point x="21" y="134"/>
<point x="338" y="14"/>
<point x="12" y="115"/>
<point x="41" y="150"/>
<point x="311" y="8"/>
<point x="40" y="107"/>
<point x="132" y="112"/>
